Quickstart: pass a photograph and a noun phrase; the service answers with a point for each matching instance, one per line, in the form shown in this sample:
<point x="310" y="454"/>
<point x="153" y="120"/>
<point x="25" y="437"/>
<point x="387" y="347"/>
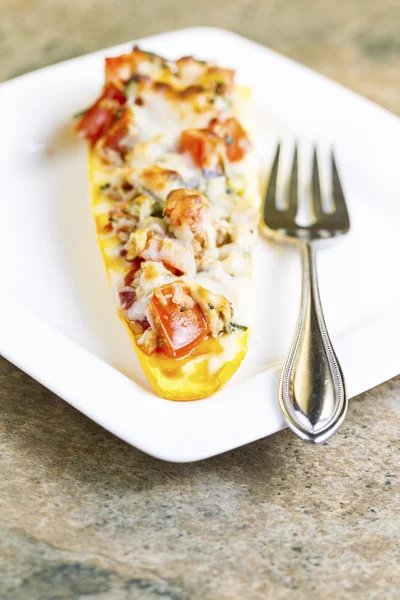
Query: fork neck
<point x="307" y="255"/>
<point x="312" y="392"/>
<point x="310" y="287"/>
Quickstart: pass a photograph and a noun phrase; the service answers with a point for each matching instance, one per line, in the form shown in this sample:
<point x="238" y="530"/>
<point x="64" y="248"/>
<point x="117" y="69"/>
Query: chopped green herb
<point x="130" y="87"/>
<point x="229" y="140"/>
<point x="157" y="211"/>
<point x="105" y="186"/>
<point x="126" y="90"/>
<point x="239" y="327"/>
<point x="112" y="219"/>
<point x="80" y="113"/>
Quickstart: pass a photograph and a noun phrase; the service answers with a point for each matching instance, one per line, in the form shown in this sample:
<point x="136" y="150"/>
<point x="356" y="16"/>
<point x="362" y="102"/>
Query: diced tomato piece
<point x="203" y="145"/>
<point x="180" y="329"/>
<point x="99" y="118"/>
<point x="234" y="136"/>
<point x="117" y="133"/>
<point x="223" y="78"/>
<point x="119" y="68"/>
<point x="113" y="93"/>
<point x="95" y="123"/>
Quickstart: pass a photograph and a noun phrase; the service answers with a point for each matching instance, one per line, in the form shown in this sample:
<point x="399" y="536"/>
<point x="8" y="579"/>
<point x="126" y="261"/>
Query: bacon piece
<point x="144" y="324"/>
<point x="127" y="298"/>
<point x="130" y="276"/>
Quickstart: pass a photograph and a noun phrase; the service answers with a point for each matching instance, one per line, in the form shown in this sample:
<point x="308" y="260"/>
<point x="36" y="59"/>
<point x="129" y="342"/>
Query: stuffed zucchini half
<point x="175" y="198"/>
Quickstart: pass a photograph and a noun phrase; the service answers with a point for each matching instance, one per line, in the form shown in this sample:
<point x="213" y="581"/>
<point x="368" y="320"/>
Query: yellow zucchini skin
<point x="185" y="379"/>
<point x="181" y="379"/>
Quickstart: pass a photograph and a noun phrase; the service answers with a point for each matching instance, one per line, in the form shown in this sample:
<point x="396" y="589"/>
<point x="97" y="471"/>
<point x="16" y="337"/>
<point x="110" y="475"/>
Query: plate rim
<point x="270" y="375"/>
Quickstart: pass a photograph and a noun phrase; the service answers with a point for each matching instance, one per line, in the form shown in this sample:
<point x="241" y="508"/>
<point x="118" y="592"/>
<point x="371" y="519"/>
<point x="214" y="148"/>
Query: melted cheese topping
<point x="129" y="196"/>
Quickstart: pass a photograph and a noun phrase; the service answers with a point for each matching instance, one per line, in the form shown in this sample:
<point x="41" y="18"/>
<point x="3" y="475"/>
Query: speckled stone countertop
<point x="84" y="515"/>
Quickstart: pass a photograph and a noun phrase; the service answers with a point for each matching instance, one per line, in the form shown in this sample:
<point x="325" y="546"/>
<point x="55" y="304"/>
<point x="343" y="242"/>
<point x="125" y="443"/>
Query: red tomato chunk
<point x="234" y="136"/>
<point x="203" y="145"/>
<point x="180" y="329"/>
<point x="98" y="119"/>
<point x="206" y="145"/>
<point x="117" y="133"/>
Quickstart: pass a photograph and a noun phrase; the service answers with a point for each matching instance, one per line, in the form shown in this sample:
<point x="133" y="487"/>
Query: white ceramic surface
<point x="57" y="317"/>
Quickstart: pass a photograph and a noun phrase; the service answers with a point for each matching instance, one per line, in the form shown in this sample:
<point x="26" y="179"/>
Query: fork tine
<point x="338" y="196"/>
<point x="270" y="196"/>
<point x="316" y="188"/>
<point x="293" y="188"/>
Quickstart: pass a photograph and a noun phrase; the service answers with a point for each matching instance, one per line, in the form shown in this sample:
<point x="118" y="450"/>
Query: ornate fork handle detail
<point x="312" y="391"/>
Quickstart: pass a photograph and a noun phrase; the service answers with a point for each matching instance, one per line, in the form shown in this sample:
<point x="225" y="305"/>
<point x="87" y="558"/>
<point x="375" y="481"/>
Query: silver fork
<point x="312" y="392"/>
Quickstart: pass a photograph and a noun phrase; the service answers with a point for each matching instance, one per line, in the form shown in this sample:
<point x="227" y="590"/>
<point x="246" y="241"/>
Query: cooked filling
<point x="175" y="169"/>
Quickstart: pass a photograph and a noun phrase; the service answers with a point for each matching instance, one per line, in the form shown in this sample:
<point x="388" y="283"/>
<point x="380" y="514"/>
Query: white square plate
<point x="57" y="317"/>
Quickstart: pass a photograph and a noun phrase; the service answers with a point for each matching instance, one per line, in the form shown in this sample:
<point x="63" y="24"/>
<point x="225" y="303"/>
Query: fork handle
<point x="312" y="391"/>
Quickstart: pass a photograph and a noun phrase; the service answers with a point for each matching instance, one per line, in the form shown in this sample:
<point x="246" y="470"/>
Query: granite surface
<point x="84" y="515"/>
